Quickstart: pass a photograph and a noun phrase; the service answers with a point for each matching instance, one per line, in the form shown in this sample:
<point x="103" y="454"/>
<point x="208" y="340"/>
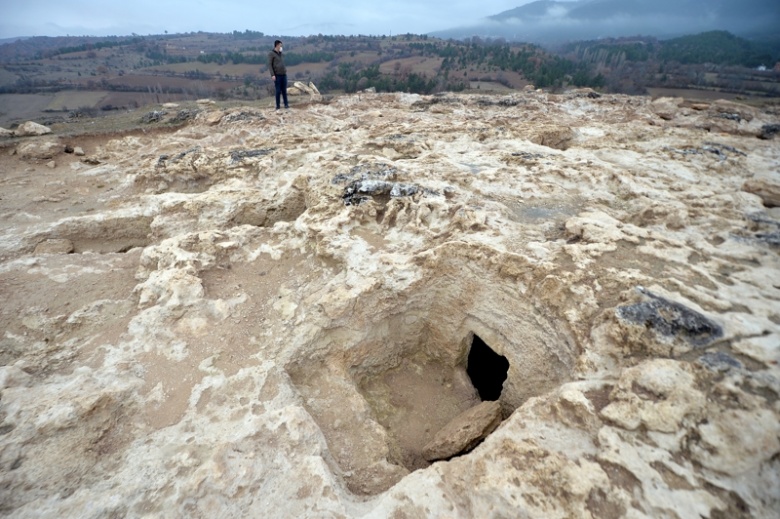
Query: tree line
<point x="352" y="77"/>
<point x="290" y="59"/>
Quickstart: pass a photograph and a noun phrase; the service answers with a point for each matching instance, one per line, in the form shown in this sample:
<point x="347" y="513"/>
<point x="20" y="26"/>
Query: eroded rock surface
<point x="226" y="337"/>
<point x="54" y="246"/>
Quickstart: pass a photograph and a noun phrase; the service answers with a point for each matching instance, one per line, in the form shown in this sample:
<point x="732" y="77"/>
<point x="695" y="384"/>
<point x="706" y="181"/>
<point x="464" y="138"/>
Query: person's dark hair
<point x="277" y="42"/>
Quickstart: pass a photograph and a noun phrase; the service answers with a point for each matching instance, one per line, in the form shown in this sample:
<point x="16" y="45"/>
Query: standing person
<point x="278" y="72"/>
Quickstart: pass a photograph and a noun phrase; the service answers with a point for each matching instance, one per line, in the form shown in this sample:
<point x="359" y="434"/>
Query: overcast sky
<point x="287" y="17"/>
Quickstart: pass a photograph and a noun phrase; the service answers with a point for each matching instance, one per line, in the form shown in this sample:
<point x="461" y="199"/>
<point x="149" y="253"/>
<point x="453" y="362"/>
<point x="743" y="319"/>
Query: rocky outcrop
<point x="237" y="315"/>
<point x="155" y="116"/>
<point x="298" y="88"/>
<point x="39" y="149"/>
<point x="30" y="129"/>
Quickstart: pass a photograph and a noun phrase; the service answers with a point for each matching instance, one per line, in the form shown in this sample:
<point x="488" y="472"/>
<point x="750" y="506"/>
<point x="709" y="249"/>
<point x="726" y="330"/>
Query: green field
<point x="22" y="107"/>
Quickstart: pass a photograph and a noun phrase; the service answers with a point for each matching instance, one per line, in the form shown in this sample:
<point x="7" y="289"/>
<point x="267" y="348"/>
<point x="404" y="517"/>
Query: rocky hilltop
<point x="298" y="314"/>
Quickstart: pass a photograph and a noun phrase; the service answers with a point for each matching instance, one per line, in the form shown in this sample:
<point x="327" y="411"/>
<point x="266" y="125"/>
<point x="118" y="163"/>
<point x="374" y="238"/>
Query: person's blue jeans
<point x="281" y="89"/>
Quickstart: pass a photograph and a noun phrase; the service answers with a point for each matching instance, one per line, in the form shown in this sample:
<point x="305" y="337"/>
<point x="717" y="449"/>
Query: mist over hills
<point x="552" y="21"/>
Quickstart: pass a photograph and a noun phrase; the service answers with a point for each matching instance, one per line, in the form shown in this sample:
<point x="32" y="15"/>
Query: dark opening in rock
<point x="393" y="396"/>
<point x="486" y="369"/>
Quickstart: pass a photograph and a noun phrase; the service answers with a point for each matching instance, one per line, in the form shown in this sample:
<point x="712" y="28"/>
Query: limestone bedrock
<point x="270" y="315"/>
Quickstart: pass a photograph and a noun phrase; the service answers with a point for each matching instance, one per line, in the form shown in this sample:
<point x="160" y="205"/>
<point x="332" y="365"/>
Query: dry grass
<point x="418" y="65"/>
<point x="207" y="68"/>
<point x="163" y="82"/>
<point x="312" y="68"/>
<point x="76" y="99"/>
<point x="22" y="107"/>
<point x="489" y="86"/>
<point x="135" y="99"/>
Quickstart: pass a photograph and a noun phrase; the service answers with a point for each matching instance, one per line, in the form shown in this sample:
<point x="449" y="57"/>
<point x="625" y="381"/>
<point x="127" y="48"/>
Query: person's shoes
<point x="286" y="107"/>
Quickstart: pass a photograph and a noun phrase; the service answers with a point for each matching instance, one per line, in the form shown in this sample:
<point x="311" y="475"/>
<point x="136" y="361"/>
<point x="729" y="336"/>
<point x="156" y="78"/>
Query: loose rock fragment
<point x="39" y="149"/>
<point x="30" y="128"/>
<point x="214" y="118"/>
<point x="299" y="88"/>
<point x="464" y="432"/>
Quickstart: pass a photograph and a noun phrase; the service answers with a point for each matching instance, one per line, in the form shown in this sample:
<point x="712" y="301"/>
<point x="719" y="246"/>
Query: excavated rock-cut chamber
<point x="382" y="386"/>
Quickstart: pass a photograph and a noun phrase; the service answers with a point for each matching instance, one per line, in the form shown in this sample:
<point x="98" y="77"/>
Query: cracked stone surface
<point x="198" y="323"/>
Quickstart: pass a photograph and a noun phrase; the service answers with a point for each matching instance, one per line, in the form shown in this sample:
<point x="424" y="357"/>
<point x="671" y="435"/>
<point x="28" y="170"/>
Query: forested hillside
<point x="714" y="60"/>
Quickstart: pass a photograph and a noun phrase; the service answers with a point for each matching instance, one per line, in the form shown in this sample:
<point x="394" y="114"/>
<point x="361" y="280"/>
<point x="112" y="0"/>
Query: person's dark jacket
<point x="276" y="64"/>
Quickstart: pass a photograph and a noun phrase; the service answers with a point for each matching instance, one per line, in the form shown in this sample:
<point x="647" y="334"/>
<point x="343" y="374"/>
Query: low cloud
<point x="556" y="25"/>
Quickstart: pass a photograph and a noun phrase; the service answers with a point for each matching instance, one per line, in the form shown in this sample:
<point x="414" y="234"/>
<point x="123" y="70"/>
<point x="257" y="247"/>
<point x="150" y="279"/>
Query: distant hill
<point x="714" y="48"/>
<point x="551" y="21"/>
<point x="714" y="61"/>
<point x="20" y="49"/>
<point x="11" y="40"/>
